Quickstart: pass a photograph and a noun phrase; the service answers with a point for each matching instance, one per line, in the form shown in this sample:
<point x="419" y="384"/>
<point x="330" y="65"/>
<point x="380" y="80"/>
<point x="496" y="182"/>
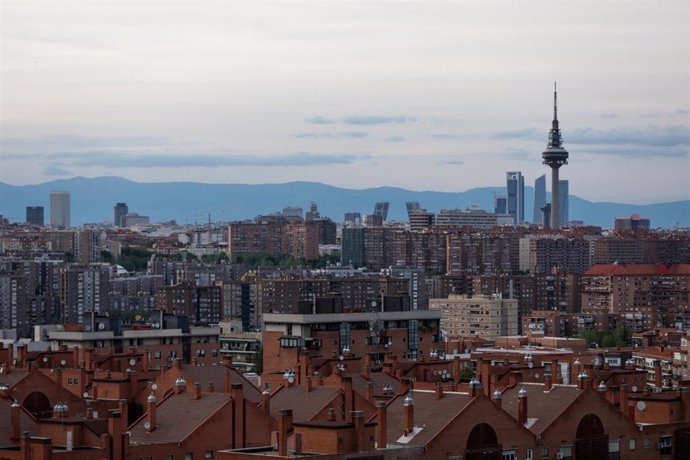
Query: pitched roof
<point x="305" y="405"/>
<point x="431" y="415"/>
<point x="543" y="407"/>
<point x="216" y="374"/>
<point x="380" y="379"/>
<point x="177" y="417"/>
<point x="637" y="269"/>
<point x="27" y="423"/>
<point x="13" y="377"/>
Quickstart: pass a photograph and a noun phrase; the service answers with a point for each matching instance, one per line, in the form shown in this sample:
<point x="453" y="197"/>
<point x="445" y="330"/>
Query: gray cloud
<point x="55" y="169"/>
<point x="451" y="162"/>
<point x="355" y="134"/>
<point x="675" y="113"/>
<point x="319" y="120"/>
<point x="316" y="135"/>
<point x="110" y="160"/>
<point x="636" y="151"/>
<point x="72" y="142"/>
<point x="517" y="134"/>
<point x="395" y="139"/>
<point x="652" y="136"/>
<point x="377" y="120"/>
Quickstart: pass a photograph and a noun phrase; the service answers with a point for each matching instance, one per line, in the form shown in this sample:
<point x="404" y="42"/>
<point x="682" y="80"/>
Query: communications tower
<point x="555" y="156"/>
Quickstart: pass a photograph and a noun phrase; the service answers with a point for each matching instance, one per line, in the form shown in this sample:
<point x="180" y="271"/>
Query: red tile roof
<point x="638" y="269"/>
<point x="431" y="415"/>
<point x="543" y="407"/>
<point x="13" y="377"/>
<point x="305" y="405"/>
<point x="27" y="423"/>
<point x="178" y="416"/>
<point x="216" y="374"/>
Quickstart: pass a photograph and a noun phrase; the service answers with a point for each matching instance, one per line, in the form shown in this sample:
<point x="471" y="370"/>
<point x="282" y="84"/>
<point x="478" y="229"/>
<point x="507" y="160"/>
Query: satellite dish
<point x="87" y="327"/>
<point x="536" y="376"/>
<point x="435" y="372"/>
<point x="85" y="394"/>
<point x="63" y="362"/>
<point x="291" y="378"/>
<point x="634" y="388"/>
<point x="341" y="357"/>
<point x="101" y="326"/>
<point x="154" y="387"/>
<point x="373" y="303"/>
<point x="147" y="425"/>
<point x="530" y="365"/>
<point x="137" y="317"/>
<point x="132" y="361"/>
<point x="45" y="359"/>
<point x="641" y="405"/>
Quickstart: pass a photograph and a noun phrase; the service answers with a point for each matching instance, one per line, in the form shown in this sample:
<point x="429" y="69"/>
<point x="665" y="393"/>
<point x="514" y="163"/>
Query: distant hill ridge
<point x="92" y="200"/>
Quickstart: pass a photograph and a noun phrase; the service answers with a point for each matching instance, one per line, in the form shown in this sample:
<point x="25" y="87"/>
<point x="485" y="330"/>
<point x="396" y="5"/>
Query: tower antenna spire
<point x="555" y="102"/>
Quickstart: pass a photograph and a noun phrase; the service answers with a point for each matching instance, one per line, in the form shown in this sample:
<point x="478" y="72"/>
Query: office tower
<point x="539" y="198"/>
<point x="292" y="213"/>
<point x="119" y="211"/>
<point x="515" y="185"/>
<point x="500" y="204"/>
<point x="634" y="222"/>
<point x="563" y="201"/>
<point x="412" y="206"/>
<point x="554" y="157"/>
<point x="59" y="209"/>
<point x="313" y="213"/>
<point x="34" y="215"/>
<point x="353" y="218"/>
<point x="381" y="209"/>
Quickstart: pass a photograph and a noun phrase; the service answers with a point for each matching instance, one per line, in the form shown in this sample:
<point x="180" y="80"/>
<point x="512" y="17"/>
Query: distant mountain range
<point x="92" y="200"/>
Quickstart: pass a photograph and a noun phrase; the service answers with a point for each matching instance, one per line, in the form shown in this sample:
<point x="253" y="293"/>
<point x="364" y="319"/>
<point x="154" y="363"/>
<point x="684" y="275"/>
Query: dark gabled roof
<point x="431" y="415"/>
<point x="543" y="407"/>
<point x="27" y="423"/>
<point x="13" y="377"/>
<point x="178" y="416"/>
<point x="304" y="404"/>
<point x="216" y="374"/>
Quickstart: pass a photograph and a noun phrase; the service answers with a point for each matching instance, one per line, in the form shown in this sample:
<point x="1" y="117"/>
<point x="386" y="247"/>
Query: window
<point x="170" y="457"/>
<point x="544" y="452"/>
<point x="631" y="444"/>
<point x="566" y="452"/>
<point x="189" y="456"/>
<point x="345" y="335"/>
<point x="508" y="455"/>
<point x="529" y="454"/>
<point x="157" y="355"/>
<point x="208" y="455"/>
<point x="665" y="445"/>
<point x="614" y="450"/>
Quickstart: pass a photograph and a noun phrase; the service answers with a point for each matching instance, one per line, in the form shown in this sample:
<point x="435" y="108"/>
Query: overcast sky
<point x="421" y="95"/>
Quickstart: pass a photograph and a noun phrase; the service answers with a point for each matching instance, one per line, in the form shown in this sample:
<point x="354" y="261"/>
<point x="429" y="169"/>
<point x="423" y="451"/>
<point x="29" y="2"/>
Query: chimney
<point x="21" y="356"/>
<point x="623" y="399"/>
<point x="266" y="401"/>
<point x="298" y="443"/>
<point x="88" y="358"/>
<point x="522" y="406"/>
<point x="657" y="374"/>
<point x="581" y="380"/>
<point x="89" y="414"/>
<point x="331" y="414"/>
<point x="381" y="425"/>
<point x="284" y="423"/>
<point x="195" y="362"/>
<point x="349" y="400"/>
<point x="456" y="368"/>
<point x="408" y="414"/>
<point x="123" y="407"/>
<point x="366" y="372"/>
<point x="239" y="418"/>
<point x="307" y="384"/>
<point x="15" y="412"/>
<point x="319" y="378"/>
<point x="151" y="406"/>
<point x="439" y="390"/>
<point x="370" y="390"/>
<point x="547" y="382"/>
<point x="197" y="390"/>
<point x="178" y="363"/>
<point x="226" y="381"/>
<point x="405" y="385"/>
<point x="358" y="422"/>
<point x="211" y="387"/>
<point x="475" y="387"/>
<point x="556" y="372"/>
<point x="514" y="378"/>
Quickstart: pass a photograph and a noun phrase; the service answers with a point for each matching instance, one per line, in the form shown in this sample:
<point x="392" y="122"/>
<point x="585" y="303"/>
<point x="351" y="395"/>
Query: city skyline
<point x="263" y="93"/>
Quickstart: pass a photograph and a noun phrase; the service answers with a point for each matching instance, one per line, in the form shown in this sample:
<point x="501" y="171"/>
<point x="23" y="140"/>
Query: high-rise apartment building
<point x="563" y="199"/>
<point x="60" y="209"/>
<point x="515" y="185"/>
<point x="483" y="316"/>
<point x="634" y="222"/>
<point x="539" y="199"/>
<point x="34" y="215"/>
<point x="119" y="212"/>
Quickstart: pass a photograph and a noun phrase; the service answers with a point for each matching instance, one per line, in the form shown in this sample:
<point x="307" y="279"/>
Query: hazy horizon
<point x="421" y="96"/>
